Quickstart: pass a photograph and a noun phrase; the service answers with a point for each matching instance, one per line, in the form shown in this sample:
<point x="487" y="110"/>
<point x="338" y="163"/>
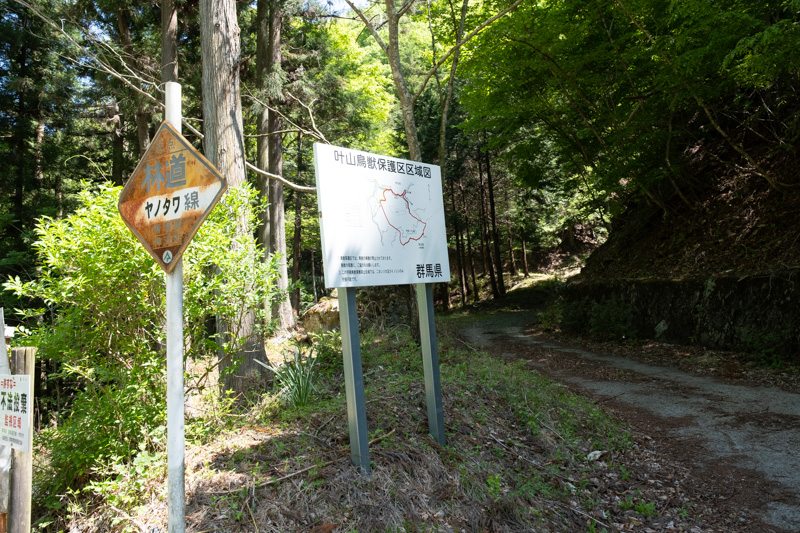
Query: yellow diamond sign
<point x="169" y="195"/>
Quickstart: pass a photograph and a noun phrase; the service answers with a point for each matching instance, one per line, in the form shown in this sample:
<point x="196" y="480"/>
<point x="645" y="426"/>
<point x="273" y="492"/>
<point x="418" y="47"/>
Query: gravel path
<point x="741" y="441"/>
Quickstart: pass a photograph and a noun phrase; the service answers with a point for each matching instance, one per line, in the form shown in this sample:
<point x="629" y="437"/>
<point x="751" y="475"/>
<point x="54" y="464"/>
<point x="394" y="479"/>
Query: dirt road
<point x="739" y="441"/>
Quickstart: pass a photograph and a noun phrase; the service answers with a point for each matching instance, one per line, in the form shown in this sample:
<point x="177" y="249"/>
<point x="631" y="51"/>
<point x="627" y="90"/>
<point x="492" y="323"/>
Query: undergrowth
<point x="521" y="451"/>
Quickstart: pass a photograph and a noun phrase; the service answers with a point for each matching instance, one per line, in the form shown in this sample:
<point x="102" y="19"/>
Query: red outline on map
<point x="403" y="196"/>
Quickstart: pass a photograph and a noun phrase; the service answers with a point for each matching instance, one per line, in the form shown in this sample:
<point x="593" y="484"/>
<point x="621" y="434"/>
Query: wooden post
<point x="22" y="361"/>
<point x="5" y="451"/>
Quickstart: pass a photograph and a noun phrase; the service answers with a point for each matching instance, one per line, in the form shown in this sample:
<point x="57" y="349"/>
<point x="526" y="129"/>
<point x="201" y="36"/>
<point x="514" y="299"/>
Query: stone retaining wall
<point x="753" y="313"/>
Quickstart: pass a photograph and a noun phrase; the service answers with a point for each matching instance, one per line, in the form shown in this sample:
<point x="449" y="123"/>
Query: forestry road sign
<point x="169" y="195"/>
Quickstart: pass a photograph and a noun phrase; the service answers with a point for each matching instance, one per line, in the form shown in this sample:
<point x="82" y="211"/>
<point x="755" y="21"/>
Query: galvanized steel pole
<point x="175" y="423"/>
<point x="430" y="361"/>
<point x="354" y="379"/>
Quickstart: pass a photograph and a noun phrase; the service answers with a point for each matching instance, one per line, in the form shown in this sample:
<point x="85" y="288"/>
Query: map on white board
<point x="381" y="219"/>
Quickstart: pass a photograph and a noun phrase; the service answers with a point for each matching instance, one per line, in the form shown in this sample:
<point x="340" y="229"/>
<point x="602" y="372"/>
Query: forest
<point x="635" y="139"/>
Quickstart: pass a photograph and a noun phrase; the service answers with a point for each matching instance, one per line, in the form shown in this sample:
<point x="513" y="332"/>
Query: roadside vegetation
<point x="522" y="453"/>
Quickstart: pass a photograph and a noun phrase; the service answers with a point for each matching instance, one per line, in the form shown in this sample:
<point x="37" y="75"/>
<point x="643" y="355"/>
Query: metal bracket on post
<point x="430" y="361"/>
<point x="354" y="379"/>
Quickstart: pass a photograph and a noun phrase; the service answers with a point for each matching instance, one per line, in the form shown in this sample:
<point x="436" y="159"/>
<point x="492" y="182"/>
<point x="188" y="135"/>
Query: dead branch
<point x="299" y="188"/>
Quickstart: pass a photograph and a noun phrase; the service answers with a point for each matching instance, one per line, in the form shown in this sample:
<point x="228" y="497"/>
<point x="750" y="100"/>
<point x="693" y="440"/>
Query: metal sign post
<point x="167" y="198"/>
<point x="176" y="448"/>
<point x="382" y="223"/>
<point x="354" y="379"/>
<point x="430" y="361"/>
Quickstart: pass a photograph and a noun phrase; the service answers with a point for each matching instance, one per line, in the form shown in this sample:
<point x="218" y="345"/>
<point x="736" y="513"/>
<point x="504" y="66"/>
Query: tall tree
<point x="169" y="41"/>
<point x="407" y="99"/>
<point x="50" y="126"/>
<point x="269" y="150"/>
<point x="282" y="309"/>
<point x="224" y="147"/>
<point x="133" y="61"/>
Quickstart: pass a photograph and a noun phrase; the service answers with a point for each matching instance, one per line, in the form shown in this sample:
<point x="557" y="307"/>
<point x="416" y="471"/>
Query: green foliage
<point x="103" y="324"/>
<point x="601" y="102"/>
<point x="216" y="409"/>
<point x="295" y="376"/>
<point x="611" y="319"/>
<point x="121" y="482"/>
<point x="770" y="348"/>
<point x="224" y="274"/>
<point x="495" y="484"/>
<point x="575" y="315"/>
<point x="328" y="346"/>
<point x="646" y="509"/>
<point x="552" y="317"/>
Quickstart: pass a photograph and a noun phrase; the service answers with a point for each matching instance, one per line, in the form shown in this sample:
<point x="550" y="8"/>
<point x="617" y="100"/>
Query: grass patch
<point x="517" y="455"/>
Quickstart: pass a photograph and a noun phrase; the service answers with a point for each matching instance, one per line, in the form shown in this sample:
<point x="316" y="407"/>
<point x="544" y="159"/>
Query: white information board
<point x="16" y="404"/>
<point x="381" y="219"/>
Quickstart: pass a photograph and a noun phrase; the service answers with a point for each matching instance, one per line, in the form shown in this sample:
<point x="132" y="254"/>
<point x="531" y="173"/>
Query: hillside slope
<point x="736" y="225"/>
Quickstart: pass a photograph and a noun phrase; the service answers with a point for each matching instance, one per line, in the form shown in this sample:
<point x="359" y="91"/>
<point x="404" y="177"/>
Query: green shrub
<point x="295" y="376"/>
<point x="770" y="348"/>
<point x="611" y="320"/>
<point x="575" y="316"/>
<point x="608" y="320"/>
<point x="328" y="345"/>
<point x="103" y="320"/>
<point x="552" y="317"/>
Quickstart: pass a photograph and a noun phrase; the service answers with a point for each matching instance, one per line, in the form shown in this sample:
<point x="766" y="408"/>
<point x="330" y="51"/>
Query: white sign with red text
<point x="16" y="406"/>
<point x="381" y="219"/>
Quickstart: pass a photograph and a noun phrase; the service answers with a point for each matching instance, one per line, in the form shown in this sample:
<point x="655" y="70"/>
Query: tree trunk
<point x="118" y="149"/>
<point x="475" y="292"/>
<point x="282" y="308"/>
<point x="448" y="97"/>
<point x="462" y="282"/>
<point x="498" y="259"/>
<point x="38" y="155"/>
<point x="142" y="115"/>
<point x="20" y="156"/>
<point x="445" y="108"/>
<point x="298" y="229"/>
<point x="262" y="122"/>
<point x="403" y="94"/>
<point x="224" y="147"/>
<point x="525" y="259"/>
<point x="485" y="238"/>
<point x="169" y="41"/>
<point x="511" y="247"/>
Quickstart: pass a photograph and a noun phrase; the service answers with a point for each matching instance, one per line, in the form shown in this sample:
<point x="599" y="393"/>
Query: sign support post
<point x="354" y="379"/>
<point x="381" y="223"/>
<point x="5" y="451"/>
<point x="430" y="361"/>
<point x="167" y="198"/>
<point x="176" y="491"/>
<point x="20" y="504"/>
